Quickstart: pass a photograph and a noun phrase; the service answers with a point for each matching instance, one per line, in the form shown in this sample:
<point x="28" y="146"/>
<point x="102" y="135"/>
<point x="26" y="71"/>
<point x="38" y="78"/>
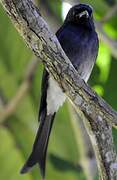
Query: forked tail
<point x="38" y="154"/>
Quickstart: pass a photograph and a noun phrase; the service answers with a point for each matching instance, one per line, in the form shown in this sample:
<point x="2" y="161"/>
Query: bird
<point x="79" y="40"/>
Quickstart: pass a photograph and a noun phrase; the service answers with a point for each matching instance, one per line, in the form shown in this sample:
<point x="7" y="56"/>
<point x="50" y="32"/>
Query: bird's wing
<point x="43" y="103"/>
<point x="39" y="151"/>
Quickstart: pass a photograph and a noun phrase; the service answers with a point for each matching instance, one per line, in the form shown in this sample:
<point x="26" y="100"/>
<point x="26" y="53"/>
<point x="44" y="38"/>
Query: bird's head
<point x="80" y="13"/>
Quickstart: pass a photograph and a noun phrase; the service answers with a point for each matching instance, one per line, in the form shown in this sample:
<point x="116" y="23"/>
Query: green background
<point x="18" y="130"/>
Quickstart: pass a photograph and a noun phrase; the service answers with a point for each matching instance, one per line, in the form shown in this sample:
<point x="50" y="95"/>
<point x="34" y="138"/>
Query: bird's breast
<point x="55" y="96"/>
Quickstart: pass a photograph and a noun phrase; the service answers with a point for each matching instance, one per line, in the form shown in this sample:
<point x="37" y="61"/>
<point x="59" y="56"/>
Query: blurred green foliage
<point x="18" y="131"/>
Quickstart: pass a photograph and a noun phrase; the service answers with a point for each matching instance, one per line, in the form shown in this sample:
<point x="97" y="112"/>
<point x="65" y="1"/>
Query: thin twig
<point x="9" y="108"/>
<point x="80" y="142"/>
<point x="110" y="13"/>
<point x="112" y="44"/>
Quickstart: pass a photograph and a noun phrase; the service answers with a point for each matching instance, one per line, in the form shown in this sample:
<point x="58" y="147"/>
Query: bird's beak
<point x="84" y="13"/>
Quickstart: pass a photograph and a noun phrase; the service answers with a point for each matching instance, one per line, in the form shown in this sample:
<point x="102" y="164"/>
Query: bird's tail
<point x="38" y="154"/>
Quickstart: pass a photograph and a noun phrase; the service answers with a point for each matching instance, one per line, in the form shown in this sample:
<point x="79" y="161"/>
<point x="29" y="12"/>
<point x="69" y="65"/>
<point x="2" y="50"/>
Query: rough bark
<point x="99" y="116"/>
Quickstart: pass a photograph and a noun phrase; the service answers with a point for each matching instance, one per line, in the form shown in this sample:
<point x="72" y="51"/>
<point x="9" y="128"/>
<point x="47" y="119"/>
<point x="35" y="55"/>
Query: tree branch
<point x="112" y="11"/>
<point x="82" y="140"/>
<point x="99" y="116"/>
<point x="8" y="109"/>
<point x="112" y="44"/>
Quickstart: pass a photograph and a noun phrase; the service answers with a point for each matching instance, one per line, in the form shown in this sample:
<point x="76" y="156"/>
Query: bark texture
<point x="99" y="116"/>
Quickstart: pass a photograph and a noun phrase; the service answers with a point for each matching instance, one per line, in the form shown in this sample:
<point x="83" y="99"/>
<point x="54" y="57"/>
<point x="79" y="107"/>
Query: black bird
<point x="79" y="40"/>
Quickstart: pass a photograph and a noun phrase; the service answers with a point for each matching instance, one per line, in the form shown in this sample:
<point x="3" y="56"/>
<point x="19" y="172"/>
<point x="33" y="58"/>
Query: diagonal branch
<point x="111" y="12"/>
<point x="112" y="44"/>
<point x="99" y="116"/>
<point x="82" y="140"/>
<point x="8" y="109"/>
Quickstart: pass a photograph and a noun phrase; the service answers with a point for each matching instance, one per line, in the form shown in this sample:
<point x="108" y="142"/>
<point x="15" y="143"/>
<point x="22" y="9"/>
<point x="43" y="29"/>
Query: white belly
<point x="55" y="96"/>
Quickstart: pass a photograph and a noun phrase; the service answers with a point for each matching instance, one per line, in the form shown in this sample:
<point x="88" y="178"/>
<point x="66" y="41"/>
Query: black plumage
<point x="79" y="40"/>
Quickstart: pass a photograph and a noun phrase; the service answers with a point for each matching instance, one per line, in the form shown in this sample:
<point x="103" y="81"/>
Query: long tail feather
<point x="38" y="154"/>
